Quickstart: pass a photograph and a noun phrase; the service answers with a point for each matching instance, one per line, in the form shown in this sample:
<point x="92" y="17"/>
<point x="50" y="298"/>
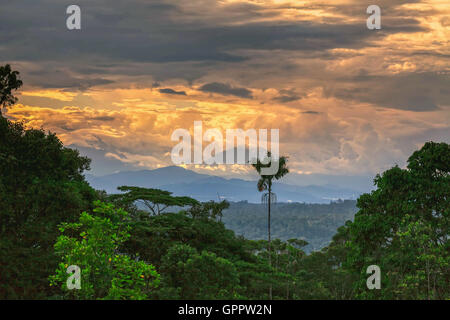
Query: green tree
<point x="41" y="185"/>
<point x="427" y="277"/>
<point x="93" y="245"/>
<point x="190" y="275"/>
<point x="208" y="210"/>
<point x="403" y="227"/>
<point x="321" y="275"/>
<point x="155" y="200"/>
<point x="9" y="82"/>
<point x="152" y="236"/>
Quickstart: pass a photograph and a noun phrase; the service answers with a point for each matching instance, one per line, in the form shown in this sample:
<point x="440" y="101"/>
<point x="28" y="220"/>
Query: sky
<point x="347" y="100"/>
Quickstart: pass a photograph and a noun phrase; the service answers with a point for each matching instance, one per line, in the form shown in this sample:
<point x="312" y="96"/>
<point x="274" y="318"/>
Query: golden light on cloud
<point x="344" y="98"/>
<point x="52" y="94"/>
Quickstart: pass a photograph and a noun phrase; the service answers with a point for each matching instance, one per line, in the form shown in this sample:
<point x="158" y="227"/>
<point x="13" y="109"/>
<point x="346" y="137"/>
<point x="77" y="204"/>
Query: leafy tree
<point x="190" y="275"/>
<point x="152" y="237"/>
<point x="41" y="185"/>
<point x="403" y="227"/>
<point x="106" y="273"/>
<point x="9" y="82"/>
<point x="321" y="275"/>
<point x="427" y="277"/>
<point x="155" y="200"/>
<point x="208" y="210"/>
<point x="174" y="284"/>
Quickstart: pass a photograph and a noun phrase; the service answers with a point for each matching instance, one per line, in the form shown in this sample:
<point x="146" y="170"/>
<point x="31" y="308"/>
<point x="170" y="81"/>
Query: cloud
<point x="406" y="91"/>
<point x="345" y="99"/>
<point x="310" y="112"/>
<point x="171" y="91"/>
<point x="287" y="96"/>
<point x="226" y="89"/>
<point x="114" y="36"/>
<point x="103" y="118"/>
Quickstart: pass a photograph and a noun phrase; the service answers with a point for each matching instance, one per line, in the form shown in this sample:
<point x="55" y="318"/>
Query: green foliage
<point x="429" y="262"/>
<point x="9" y="82"/>
<point x="155" y="200"/>
<point x="190" y="275"/>
<point x="106" y="273"/>
<point x="321" y="274"/>
<point x="208" y="210"/>
<point x="265" y="182"/>
<point x="403" y="227"/>
<point x="153" y="236"/>
<point x="41" y="185"/>
<point x="316" y="223"/>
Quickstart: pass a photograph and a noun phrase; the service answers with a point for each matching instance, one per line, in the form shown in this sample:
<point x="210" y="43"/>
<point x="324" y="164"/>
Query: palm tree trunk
<point x="268" y="216"/>
<point x="268" y="229"/>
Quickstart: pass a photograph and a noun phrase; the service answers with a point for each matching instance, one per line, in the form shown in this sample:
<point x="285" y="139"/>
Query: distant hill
<point x="204" y="187"/>
<point x="315" y="223"/>
<point x="144" y="178"/>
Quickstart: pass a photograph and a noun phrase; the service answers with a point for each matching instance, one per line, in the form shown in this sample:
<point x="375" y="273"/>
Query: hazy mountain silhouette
<point x="204" y="187"/>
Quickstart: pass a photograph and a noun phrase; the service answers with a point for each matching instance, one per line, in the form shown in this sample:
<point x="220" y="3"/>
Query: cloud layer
<point x="346" y="99"/>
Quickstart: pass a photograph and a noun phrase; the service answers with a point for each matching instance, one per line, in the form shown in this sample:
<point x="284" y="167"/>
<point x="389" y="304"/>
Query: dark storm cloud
<point x="115" y="33"/>
<point x="226" y="89"/>
<point x="284" y="99"/>
<point x="388" y="7"/>
<point x="171" y="91"/>
<point x="413" y="91"/>
<point x="287" y="96"/>
<point x="103" y="118"/>
<point x="58" y="79"/>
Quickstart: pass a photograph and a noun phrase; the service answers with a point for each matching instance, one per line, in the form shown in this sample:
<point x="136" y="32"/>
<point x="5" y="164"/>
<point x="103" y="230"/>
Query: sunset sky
<point x="347" y="100"/>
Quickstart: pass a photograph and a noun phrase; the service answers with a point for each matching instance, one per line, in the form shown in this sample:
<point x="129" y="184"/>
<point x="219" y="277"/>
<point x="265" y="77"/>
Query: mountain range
<point x="203" y="187"/>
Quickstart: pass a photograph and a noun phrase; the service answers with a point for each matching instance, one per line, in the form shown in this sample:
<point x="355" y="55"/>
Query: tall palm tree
<point x="265" y="183"/>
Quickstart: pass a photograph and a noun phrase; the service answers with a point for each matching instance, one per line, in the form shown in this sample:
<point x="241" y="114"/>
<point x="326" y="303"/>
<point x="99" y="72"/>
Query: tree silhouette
<point x="265" y="183"/>
<point x="9" y="82"/>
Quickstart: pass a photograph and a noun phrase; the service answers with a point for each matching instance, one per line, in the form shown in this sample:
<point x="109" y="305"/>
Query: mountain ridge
<point x="205" y="187"/>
